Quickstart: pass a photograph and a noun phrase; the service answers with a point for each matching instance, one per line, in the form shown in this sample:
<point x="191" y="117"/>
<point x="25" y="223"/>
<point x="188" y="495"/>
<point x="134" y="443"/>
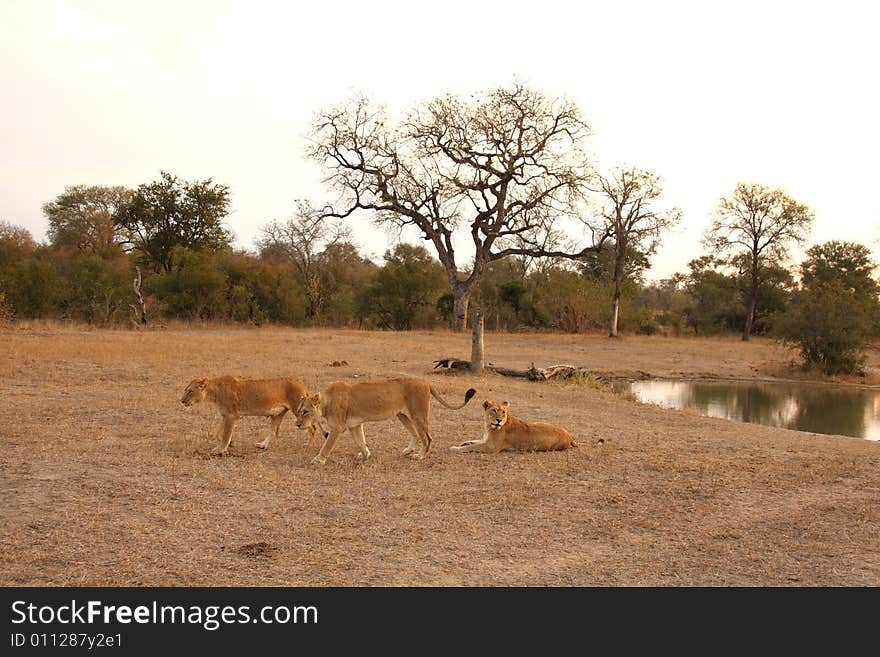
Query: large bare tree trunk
<point x="750" y="315"/>
<point x="619" y="268"/>
<point x="753" y="304"/>
<point x="615" y="310"/>
<point x="460" y="298"/>
<point x="619" y="263"/>
<point x="477" y="355"/>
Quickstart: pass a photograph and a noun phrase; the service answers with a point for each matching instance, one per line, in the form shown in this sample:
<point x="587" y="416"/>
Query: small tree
<point x="846" y="262"/>
<point x="196" y="289"/>
<point x="277" y="290"/>
<point x="829" y="326"/>
<point x="171" y="213"/>
<point x="632" y="224"/>
<point x="713" y="302"/>
<point x="831" y="318"/>
<point x="408" y="284"/>
<point x="344" y="274"/>
<point x="36" y="286"/>
<point x="96" y="288"/>
<point x="760" y="224"/>
<point x="571" y="302"/>
<point x="299" y="241"/>
<point x="775" y="288"/>
<point x="16" y="247"/>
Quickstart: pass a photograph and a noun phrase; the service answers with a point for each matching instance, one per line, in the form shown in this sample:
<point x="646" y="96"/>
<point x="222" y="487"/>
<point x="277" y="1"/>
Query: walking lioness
<point x="505" y="432"/>
<point x="348" y="405"/>
<point x="271" y="398"/>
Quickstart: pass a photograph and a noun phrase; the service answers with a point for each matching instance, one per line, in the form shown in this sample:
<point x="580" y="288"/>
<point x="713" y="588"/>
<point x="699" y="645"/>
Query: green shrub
<point x="830" y="326"/>
<point x="645" y="323"/>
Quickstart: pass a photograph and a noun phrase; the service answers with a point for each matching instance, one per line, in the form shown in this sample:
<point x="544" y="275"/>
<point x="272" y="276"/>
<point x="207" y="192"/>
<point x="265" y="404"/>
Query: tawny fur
<point x="504" y="432"/>
<point x="347" y="406"/>
<point x="272" y="398"/>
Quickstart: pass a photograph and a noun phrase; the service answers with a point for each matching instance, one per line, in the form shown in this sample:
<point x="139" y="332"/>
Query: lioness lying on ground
<point x="348" y="405"/>
<point x="271" y="398"/>
<point x="505" y="432"/>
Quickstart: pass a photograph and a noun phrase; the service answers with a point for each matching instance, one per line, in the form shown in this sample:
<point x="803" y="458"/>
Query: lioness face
<point x="495" y="413"/>
<point x="309" y="412"/>
<point x="194" y="392"/>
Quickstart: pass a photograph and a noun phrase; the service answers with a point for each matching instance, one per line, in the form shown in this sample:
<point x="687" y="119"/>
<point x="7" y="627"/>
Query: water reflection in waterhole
<point x="818" y="408"/>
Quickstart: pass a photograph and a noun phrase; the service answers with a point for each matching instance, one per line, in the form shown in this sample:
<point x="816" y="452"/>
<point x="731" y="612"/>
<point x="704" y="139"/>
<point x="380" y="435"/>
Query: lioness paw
<point x="318" y="460"/>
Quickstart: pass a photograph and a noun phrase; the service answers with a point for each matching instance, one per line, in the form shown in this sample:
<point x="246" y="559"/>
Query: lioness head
<point x="194" y="392"/>
<point x="495" y="413"/>
<point x="308" y="412"/>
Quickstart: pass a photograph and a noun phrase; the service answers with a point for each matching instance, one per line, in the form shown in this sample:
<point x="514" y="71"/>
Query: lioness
<point x="348" y="405"/>
<point x="271" y="398"/>
<point x="505" y="432"/>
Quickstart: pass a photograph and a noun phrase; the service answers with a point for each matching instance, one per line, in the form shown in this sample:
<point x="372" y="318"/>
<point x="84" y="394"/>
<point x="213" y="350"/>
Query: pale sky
<point x="703" y="94"/>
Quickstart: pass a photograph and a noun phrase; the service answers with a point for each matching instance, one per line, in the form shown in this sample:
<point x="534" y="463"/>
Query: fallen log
<point x="561" y="372"/>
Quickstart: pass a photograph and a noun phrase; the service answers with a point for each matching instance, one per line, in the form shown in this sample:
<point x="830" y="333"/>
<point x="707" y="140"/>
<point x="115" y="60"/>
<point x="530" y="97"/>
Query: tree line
<point x="555" y="242"/>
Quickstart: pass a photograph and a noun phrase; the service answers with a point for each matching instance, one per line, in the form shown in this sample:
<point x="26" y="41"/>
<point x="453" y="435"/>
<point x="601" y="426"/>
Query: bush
<point x="830" y="326"/>
<point x="645" y="323"/>
<point x="7" y="314"/>
<point x="96" y="288"/>
<point x="196" y="289"/>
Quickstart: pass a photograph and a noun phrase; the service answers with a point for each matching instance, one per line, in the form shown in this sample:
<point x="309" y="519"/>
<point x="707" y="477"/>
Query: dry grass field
<point x="106" y="479"/>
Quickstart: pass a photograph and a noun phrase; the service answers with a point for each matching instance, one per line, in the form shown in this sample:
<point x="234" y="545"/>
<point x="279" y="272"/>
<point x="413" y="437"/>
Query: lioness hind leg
<point x="414" y="435"/>
<point x="361" y="440"/>
<point x="225" y="434"/>
<point x="274" y="426"/>
<point x="425" y="437"/>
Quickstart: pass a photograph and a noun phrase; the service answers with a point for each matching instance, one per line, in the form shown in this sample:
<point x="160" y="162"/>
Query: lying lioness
<point x="271" y="398"/>
<point x="505" y="432"/>
<point x="348" y="405"/>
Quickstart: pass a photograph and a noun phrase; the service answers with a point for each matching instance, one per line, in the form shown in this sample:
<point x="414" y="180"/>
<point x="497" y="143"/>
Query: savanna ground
<point x="105" y="478"/>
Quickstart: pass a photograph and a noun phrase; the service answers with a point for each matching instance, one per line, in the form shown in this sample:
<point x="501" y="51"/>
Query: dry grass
<point x="105" y="480"/>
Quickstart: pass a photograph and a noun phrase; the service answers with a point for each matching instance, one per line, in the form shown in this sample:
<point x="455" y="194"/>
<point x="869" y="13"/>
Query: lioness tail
<point x="467" y="397"/>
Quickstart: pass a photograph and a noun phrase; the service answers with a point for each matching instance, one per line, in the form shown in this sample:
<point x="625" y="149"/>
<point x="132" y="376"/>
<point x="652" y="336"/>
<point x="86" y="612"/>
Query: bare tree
<point x="758" y="224"/>
<point x="139" y="311"/>
<point x="504" y="168"/>
<point x="299" y="240"/>
<point x="632" y="224"/>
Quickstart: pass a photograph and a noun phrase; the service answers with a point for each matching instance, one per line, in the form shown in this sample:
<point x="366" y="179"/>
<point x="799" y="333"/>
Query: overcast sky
<point x="703" y="94"/>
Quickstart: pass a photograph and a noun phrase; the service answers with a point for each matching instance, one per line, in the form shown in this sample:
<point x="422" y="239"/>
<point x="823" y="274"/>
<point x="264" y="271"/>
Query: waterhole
<point x="813" y="407"/>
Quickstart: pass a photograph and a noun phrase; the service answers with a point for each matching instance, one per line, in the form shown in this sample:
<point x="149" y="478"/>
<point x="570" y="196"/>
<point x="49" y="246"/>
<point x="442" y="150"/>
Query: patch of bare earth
<point x="105" y="481"/>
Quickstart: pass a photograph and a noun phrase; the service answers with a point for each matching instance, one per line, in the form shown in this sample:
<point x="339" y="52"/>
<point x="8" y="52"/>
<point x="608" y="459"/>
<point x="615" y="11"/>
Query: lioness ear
<point x="315" y="399"/>
<point x="203" y="384"/>
<point x="486" y="404"/>
<point x="505" y="404"/>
